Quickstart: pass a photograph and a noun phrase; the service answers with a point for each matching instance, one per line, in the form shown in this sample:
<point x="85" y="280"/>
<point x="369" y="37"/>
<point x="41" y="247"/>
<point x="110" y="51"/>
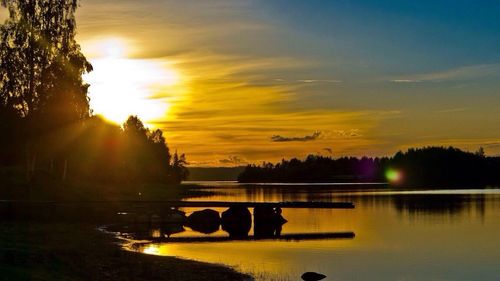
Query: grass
<point x="65" y="251"/>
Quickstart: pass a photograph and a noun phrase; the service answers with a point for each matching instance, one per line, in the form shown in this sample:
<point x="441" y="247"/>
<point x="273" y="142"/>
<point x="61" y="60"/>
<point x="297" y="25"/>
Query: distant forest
<point x="423" y="167"/>
<point x="48" y="131"/>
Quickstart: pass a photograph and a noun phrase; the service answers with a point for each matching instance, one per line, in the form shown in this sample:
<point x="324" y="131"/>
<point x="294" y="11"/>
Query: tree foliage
<point x="317" y="168"/>
<point x="420" y="168"/>
<point x="129" y="154"/>
<point x="41" y="85"/>
<point x="41" y="64"/>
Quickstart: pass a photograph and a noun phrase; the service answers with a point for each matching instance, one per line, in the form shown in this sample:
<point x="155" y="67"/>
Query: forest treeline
<point x="94" y="150"/>
<point x="417" y="167"/>
<point x="46" y="124"/>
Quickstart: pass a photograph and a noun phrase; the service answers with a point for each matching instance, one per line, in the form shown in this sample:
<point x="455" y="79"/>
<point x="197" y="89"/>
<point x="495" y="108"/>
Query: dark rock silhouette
<point x="206" y="221"/>
<point x="312" y="276"/>
<point x="174" y="216"/>
<point x="169" y="229"/>
<point x="268" y="221"/>
<point x="268" y="214"/>
<point x="237" y="221"/>
<point x="267" y="230"/>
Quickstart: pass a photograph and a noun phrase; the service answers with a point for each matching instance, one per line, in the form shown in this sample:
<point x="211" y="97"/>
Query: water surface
<point x="399" y="235"/>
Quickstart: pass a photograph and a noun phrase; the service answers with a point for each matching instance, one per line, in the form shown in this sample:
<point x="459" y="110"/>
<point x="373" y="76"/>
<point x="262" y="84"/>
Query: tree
<point x="480" y="152"/>
<point x="41" y="62"/>
<point x="147" y="155"/>
<point x="133" y="126"/>
<point x="41" y="68"/>
<point x="179" y="167"/>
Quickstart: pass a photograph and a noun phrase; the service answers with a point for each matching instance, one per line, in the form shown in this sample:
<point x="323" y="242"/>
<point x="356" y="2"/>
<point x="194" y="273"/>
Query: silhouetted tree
<point x="316" y="168"/>
<point x="480" y="152"/>
<point x="41" y="69"/>
<point x="444" y="167"/>
<point x="41" y="62"/>
<point x="148" y="156"/>
<point x="423" y="167"/>
<point x="180" y="172"/>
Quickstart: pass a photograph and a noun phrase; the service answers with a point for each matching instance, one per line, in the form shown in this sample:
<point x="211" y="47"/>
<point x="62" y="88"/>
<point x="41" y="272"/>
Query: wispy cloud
<point x="318" y="81"/>
<point x="301" y="82"/>
<point x="452" y="110"/>
<point x="233" y="159"/>
<point x="492" y="145"/>
<point x="278" y="138"/>
<point x="459" y="73"/>
<point x="349" y="133"/>
<point x="405" y="81"/>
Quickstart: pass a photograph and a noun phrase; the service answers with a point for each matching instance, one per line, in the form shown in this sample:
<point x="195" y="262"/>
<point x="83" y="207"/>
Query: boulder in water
<point x="173" y="215"/>
<point x="312" y="276"/>
<point x="205" y="221"/>
<point x="237" y="221"/>
<point x="268" y="215"/>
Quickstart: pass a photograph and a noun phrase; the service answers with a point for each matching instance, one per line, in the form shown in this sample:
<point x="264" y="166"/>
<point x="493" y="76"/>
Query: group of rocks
<point x="237" y="221"/>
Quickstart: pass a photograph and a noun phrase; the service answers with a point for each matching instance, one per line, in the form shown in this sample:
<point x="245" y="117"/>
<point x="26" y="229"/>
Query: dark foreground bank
<point x="65" y="251"/>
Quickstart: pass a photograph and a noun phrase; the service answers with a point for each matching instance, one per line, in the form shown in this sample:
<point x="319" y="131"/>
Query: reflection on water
<point x="431" y="235"/>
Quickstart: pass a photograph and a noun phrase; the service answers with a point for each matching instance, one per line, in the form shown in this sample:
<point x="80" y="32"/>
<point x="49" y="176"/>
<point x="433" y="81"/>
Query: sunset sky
<point x="237" y="81"/>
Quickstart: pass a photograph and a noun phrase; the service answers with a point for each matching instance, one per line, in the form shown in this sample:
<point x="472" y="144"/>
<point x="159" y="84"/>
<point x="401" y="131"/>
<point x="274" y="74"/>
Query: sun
<point x="121" y="86"/>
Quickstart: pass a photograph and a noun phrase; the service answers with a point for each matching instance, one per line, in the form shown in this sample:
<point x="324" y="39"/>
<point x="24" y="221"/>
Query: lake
<point x="398" y="235"/>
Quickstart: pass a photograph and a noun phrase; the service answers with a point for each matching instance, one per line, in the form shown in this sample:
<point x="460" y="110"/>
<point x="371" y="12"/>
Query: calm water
<point x="420" y="235"/>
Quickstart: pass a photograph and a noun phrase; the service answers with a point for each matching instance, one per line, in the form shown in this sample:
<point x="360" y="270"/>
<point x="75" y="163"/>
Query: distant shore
<point x="66" y="251"/>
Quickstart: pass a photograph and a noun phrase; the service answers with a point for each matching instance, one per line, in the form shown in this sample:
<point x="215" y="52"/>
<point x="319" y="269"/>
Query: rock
<point x="268" y="221"/>
<point x="312" y="276"/>
<point x="207" y="216"/>
<point x="267" y="214"/>
<point x="174" y="216"/>
<point x="267" y="230"/>
<point x="169" y="229"/>
<point x="206" y="221"/>
<point x="237" y="221"/>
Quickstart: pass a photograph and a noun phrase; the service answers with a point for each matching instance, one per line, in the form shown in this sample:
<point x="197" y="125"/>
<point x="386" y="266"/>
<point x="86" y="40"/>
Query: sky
<point x="233" y="82"/>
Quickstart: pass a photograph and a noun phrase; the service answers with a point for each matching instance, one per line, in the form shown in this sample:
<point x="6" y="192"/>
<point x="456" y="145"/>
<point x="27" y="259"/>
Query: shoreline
<point x="74" y="251"/>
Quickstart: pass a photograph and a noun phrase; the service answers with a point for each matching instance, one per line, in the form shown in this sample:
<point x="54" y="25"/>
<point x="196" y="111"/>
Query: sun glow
<point x="122" y="86"/>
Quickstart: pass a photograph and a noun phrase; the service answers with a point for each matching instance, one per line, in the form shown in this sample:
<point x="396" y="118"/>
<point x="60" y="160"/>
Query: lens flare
<point x="393" y="175"/>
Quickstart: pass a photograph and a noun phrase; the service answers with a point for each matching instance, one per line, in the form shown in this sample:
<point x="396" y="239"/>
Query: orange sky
<point x="236" y="82"/>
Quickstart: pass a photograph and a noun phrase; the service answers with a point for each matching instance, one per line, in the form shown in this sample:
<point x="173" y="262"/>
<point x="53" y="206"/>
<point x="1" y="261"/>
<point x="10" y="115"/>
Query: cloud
<point x="349" y="133"/>
<point x="329" y="150"/>
<point x="460" y="73"/>
<point x="493" y="145"/>
<point x="452" y="110"/>
<point x="278" y="138"/>
<point x="405" y="81"/>
<point x="236" y="160"/>
<point x="318" y="81"/>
